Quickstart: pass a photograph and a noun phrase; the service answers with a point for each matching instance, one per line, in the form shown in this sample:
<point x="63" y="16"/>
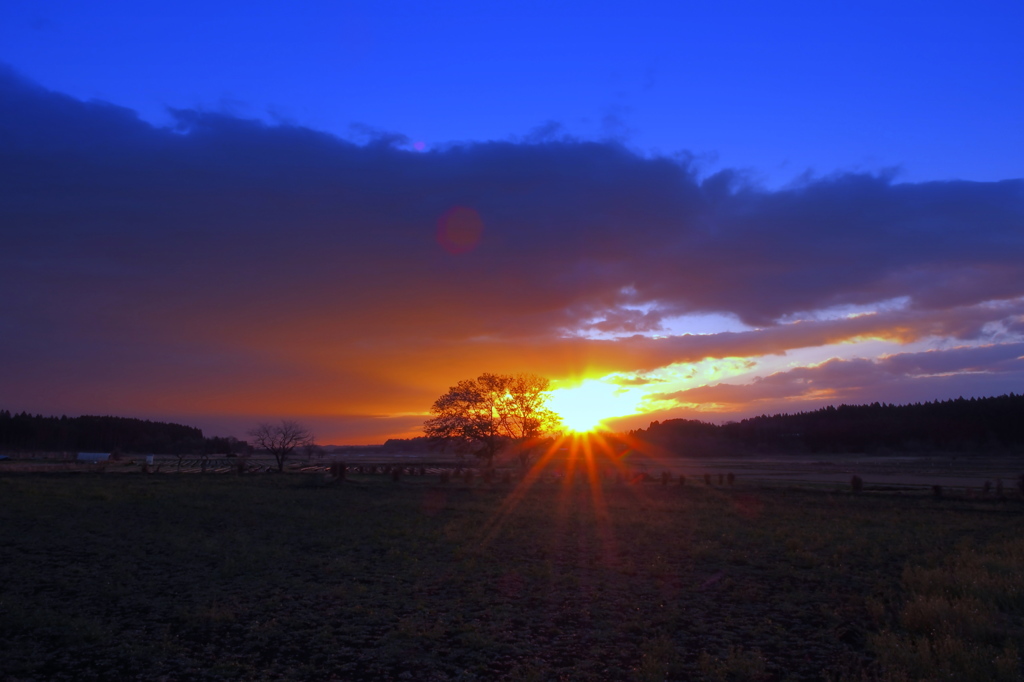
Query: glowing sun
<point x="583" y="408"/>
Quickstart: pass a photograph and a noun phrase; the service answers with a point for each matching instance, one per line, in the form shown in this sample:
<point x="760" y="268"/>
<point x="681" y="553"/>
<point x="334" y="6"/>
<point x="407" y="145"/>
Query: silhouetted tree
<point x="281" y="439"/>
<point x="483" y="415"/>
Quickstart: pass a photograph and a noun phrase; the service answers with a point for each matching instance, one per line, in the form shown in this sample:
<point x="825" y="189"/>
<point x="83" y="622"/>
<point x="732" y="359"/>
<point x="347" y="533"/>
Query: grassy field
<point x="295" y="577"/>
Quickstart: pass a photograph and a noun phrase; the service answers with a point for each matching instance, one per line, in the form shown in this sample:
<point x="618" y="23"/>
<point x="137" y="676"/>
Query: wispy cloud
<point x="894" y="377"/>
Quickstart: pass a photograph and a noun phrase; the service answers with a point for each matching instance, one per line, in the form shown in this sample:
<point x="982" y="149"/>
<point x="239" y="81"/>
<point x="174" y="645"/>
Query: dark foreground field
<point x="290" y="577"/>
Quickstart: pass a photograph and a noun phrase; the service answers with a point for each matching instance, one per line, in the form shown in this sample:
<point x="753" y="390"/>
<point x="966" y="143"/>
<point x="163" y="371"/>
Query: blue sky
<point x="780" y="89"/>
<point x="220" y="212"/>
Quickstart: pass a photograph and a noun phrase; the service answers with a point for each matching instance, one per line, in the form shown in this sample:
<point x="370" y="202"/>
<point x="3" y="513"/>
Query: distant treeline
<point x="986" y="424"/>
<point x="25" y="432"/>
<point x="415" y="443"/>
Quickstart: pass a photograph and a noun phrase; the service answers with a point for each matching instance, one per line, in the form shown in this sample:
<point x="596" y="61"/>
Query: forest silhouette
<point x="26" y="432"/>
<point x="959" y="425"/>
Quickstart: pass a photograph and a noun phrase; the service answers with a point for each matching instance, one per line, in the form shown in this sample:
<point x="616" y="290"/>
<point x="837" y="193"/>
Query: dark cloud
<point x="235" y="264"/>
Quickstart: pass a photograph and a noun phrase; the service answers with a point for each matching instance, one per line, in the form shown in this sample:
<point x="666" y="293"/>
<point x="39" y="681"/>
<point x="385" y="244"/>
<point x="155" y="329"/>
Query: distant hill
<point x="25" y="432"/>
<point x="960" y="425"/>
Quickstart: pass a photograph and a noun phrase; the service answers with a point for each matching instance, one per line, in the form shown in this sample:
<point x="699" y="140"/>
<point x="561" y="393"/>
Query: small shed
<point x="93" y="456"/>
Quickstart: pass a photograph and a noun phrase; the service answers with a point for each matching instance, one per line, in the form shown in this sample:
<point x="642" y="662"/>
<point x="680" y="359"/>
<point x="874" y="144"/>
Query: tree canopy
<point x="485" y="414"/>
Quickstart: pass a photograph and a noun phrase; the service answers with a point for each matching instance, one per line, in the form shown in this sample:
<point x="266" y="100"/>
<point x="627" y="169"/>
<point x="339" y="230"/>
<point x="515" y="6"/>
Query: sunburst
<point x="585" y="407"/>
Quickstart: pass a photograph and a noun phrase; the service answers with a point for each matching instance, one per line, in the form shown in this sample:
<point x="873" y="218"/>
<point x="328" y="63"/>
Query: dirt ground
<point x="299" y="577"/>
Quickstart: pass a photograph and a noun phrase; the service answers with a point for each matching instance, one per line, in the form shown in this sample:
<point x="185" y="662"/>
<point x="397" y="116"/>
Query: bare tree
<point x="281" y="439"/>
<point x="483" y="415"/>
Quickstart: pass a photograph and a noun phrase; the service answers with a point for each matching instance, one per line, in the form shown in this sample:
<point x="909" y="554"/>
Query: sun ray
<point x="529" y="479"/>
<point x="592" y="459"/>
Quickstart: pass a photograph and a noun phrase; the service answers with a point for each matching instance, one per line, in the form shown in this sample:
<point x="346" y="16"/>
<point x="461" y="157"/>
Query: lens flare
<point x="459" y="229"/>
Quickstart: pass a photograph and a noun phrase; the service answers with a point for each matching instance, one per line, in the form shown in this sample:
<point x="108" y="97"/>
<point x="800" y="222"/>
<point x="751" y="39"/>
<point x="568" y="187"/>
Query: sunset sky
<point x="221" y="212"/>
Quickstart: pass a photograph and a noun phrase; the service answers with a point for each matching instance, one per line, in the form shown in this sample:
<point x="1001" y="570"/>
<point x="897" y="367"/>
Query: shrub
<point x="954" y="622"/>
<point x="856" y="484"/>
